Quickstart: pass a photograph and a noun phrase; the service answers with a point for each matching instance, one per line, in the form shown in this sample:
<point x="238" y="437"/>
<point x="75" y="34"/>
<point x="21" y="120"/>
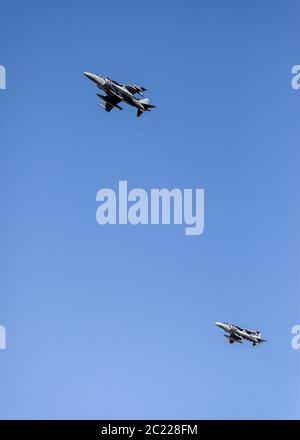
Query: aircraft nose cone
<point x="218" y="324"/>
<point x="90" y="76"/>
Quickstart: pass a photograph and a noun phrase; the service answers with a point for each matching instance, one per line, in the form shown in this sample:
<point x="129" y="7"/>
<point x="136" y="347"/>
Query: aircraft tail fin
<point x="146" y="104"/>
<point x="259" y="336"/>
<point x="144" y="101"/>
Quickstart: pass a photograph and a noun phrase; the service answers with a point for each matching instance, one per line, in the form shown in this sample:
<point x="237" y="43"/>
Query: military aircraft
<point x="117" y="92"/>
<point x="237" y="334"/>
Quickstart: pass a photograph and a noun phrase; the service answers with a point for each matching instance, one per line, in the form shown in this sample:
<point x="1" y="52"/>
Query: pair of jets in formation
<point x="238" y="334"/>
<point x="117" y="92"/>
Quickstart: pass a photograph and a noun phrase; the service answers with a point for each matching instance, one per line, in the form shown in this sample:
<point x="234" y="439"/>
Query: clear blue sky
<point x="118" y="321"/>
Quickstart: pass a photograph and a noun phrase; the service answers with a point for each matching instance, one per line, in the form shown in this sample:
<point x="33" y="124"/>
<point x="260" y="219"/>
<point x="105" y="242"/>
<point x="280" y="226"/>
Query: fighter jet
<point x="237" y="334"/>
<point x="117" y="92"/>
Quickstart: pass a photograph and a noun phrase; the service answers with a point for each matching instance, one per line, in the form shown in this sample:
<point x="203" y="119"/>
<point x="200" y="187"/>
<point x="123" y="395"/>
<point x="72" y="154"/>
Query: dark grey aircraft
<point x="237" y="334"/>
<point x="117" y="92"/>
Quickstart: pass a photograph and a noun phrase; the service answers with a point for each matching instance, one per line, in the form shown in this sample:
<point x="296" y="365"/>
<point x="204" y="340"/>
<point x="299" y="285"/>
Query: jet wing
<point x="132" y="88"/>
<point x="235" y="337"/>
<point x="240" y="328"/>
<point x="115" y="82"/>
<point x="110" y="101"/>
<point x="108" y="106"/>
<point x="253" y="332"/>
<point x="232" y="337"/>
<point x="250" y="332"/>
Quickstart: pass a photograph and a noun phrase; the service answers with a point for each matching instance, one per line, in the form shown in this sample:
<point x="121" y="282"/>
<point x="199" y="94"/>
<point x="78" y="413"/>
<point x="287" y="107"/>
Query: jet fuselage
<point x="236" y="334"/>
<point x="117" y="90"/>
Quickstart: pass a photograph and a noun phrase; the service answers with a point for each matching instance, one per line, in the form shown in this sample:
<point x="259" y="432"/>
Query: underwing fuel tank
<point x="232" y="338"/>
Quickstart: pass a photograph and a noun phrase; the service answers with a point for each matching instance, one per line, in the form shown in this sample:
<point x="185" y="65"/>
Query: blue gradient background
<point x="118" y="321"/>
